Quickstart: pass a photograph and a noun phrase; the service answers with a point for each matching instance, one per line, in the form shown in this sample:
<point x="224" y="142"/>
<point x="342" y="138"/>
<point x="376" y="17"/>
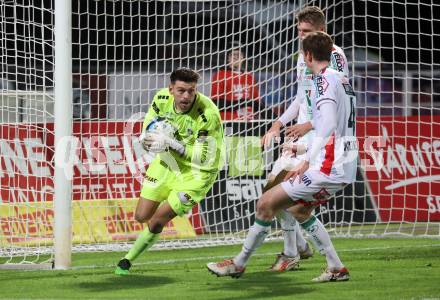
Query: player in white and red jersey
<point x="329" y="165"/>
<point x="337" y="160"/>
<point x="310" y="19"/>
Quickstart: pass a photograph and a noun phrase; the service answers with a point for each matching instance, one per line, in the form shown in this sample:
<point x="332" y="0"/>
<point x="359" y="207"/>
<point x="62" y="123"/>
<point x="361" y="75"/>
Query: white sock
<point x="255" y="237"/>
<point x="301" y="242"/>
<point x="289" y="226"/>
<point x="321" y="240"/>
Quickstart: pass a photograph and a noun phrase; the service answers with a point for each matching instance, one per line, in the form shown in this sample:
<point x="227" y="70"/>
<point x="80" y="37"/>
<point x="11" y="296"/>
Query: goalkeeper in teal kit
<point x="187" y="162"/>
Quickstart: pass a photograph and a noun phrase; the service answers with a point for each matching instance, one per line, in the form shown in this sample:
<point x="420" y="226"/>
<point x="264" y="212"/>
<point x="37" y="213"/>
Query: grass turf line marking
<point x="168" y="261"/>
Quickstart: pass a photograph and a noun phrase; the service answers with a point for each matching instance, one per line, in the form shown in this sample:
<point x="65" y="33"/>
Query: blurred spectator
<point x="235" y="90"/>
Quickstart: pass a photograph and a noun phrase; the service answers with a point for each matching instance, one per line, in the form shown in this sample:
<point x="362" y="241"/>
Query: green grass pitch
<point x="404" y="268"/>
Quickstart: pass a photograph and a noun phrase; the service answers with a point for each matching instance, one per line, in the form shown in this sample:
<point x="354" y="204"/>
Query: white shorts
<point x="314" y="189"/>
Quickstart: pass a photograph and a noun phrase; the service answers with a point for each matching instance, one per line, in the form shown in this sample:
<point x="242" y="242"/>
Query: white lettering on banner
<point x="401" y="152"/>
<point x="433" y="178"/>
<point x="16" y="158"/>
<point x="436" y="151"/>
<point x="31" y="194"/>
<point x="82" y="188"/>
<point x="77" y="164"/>
<point x="248" y="189"/>
<point x="114" y="158"/>
<point x="377" y="156"/>
<point x="120" y="188"/>
<point x="112" y="190"/>
<point x="244" y="189"/>
<point x="95" y="162"/>
<point x="132" y="190"/>
<point x="246" y="214"/>
<point x="419" y="161"/>
<point x="35" y="156"/>
<point x="19" y="196"/>
<point x="433" y="204"/>
<point x="93" y="189"/>
<point x="399" y="157"/>
<point x="234" y="190"/>
<point x="44" y="191"/>
<point x="13" y="157"/>
<point x="427" y="148"/>
<point x="116" y="154"/>
<point x="392" y="161"/>
<point x="128" y="155"/>
<point x="109" y="192"/>
<point x="26" y="168"/>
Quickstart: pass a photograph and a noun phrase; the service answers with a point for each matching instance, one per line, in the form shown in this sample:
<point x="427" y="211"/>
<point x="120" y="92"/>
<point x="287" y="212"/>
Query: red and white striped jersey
<point x="338" y="158"/>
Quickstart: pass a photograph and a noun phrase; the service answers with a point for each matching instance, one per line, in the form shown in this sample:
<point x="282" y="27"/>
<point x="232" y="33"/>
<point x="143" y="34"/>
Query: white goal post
<point x="63" y="118"/>
<point x="87" y="70"/>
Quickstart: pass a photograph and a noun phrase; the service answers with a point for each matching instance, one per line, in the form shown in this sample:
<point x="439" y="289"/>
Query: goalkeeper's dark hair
<point x="185" y="75"/>
<point x="312" y="15"/>
<point x="319" y="44"/>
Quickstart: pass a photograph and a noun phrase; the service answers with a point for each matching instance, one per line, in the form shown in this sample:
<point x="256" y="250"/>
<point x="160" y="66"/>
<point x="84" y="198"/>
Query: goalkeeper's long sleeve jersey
<point x="199" y="130"/>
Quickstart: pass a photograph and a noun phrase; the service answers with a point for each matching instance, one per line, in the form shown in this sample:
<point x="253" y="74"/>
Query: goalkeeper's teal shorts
<point x="182" y="189"/>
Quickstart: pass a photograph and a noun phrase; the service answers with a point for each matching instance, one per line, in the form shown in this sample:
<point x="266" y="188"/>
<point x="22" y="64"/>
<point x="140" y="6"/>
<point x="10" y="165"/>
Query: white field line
<point x="201" y="258"/>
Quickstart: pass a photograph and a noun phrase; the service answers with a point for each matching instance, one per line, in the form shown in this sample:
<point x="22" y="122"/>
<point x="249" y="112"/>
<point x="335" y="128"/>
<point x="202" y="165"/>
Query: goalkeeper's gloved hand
<point x="157" y="143"/>
<point x="151" y="142"/>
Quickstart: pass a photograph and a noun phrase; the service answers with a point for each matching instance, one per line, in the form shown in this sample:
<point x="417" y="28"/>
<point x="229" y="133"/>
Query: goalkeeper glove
<point x="157" y="143"/>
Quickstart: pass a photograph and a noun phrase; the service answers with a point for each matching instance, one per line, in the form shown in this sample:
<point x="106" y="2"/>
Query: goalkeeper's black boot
<point x="123" y="267"/>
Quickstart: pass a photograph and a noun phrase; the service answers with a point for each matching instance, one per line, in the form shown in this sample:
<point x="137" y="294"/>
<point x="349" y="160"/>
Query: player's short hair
<point x="313" y="15"/>
<point x="320" y="44"/>
<point x="185" y="75"/>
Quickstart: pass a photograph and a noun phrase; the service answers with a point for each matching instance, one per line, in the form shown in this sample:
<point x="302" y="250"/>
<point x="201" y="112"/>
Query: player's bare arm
<point x="272" y="133"/>
<point x="298" y="130"/>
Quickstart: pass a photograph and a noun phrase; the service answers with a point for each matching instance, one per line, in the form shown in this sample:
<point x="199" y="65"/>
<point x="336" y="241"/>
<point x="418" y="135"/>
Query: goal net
<point x="123" y="52"/>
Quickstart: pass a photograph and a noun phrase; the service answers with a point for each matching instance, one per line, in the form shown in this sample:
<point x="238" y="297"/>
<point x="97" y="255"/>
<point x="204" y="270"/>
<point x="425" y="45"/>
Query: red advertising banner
<point x="401" y="159"/>
<point x="108" y="168"/>
<point x="108" y="161"/>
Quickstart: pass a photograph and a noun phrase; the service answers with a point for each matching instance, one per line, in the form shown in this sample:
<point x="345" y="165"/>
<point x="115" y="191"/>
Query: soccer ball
<point x="161" y="126"/>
